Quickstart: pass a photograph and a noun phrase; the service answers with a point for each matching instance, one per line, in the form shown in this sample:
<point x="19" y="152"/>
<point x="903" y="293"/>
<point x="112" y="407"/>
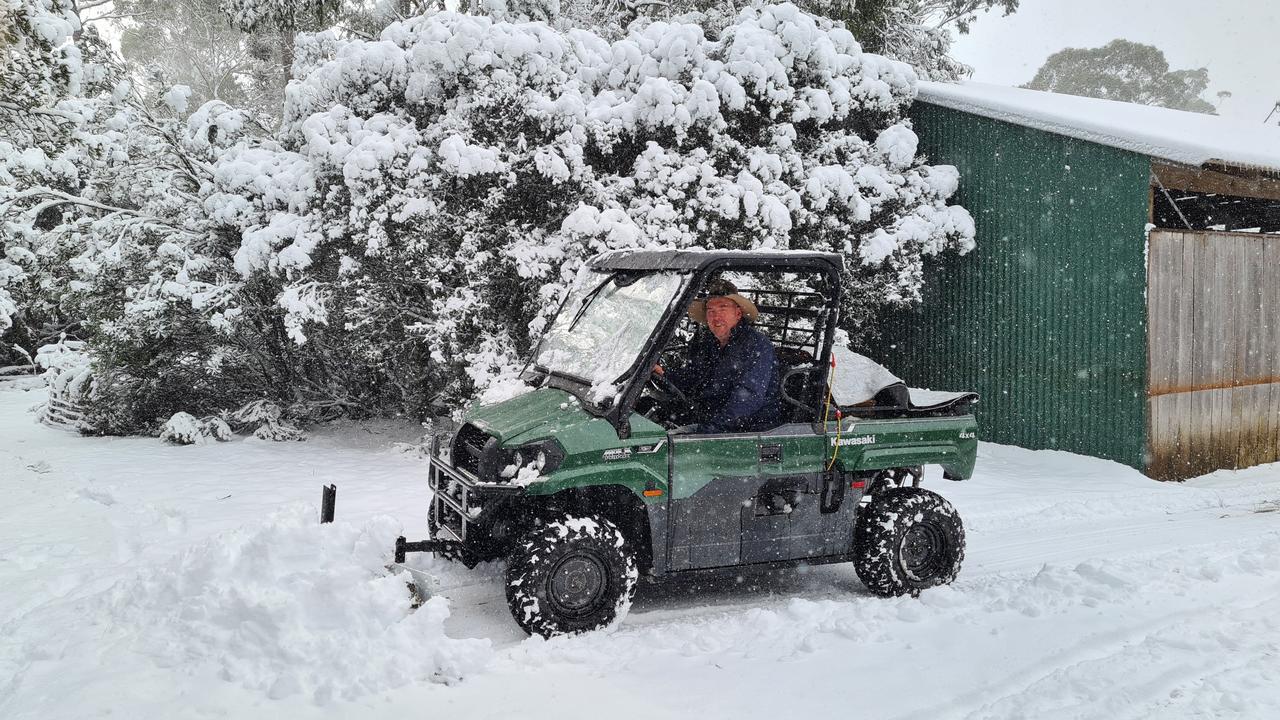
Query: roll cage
<point x="701" y="265"/>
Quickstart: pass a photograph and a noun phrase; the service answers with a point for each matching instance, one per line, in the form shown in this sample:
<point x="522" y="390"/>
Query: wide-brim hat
<point x="724" y="289"/>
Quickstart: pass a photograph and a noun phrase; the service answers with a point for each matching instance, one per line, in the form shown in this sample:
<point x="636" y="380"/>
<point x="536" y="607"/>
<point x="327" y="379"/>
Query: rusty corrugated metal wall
<point x="1047" y="318"/>
<point x="1214" y="351"/>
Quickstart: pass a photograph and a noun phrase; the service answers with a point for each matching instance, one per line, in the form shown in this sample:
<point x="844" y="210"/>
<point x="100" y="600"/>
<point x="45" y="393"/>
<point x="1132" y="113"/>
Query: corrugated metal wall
<point x="1047" y="318"/>
<point x="1215" y="351"/>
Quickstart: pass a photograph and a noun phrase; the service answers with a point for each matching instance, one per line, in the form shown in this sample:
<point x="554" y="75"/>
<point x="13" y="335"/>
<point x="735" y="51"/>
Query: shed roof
<point x="1173" y="135"/>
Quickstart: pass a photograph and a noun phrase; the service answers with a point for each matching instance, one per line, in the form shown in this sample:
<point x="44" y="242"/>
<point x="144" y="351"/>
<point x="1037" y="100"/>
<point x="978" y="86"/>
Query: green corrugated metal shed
<point x="1082" y="331"/>
<point x="1047" y="317"/>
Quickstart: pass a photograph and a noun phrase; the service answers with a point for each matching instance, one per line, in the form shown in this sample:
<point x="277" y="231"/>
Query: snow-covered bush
<point x="68" y="376"/>
<point x="48" y="92"/>
<point x="266" y="420"/>
<point x="186" y="429"/>
<point x="435" y="190"/>
<point x="103" y="234"/>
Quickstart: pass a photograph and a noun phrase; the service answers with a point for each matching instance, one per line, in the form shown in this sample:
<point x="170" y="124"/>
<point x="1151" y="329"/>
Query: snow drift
<point x="289" y="606"/>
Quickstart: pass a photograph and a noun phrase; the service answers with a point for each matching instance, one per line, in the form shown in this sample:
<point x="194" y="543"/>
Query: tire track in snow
<point x="999" y="552"/>
<point x="480" y="609"/>
<point x="1119" y="660"/>
<point x="1143" y="663"/>
<point x="1106" y="601"/>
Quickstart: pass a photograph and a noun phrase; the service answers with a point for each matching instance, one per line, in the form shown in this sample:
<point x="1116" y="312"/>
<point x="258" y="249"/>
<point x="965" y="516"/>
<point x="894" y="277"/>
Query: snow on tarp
<point x="924" y="397"/>
<point x="857" y="379"/>
<point x="1183" y="137"/>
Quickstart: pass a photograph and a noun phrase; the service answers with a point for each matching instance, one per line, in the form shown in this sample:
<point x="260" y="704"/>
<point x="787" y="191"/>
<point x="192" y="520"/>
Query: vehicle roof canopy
<point x="689" y="260"/>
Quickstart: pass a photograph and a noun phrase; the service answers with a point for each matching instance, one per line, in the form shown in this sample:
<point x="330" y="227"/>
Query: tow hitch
<point x="424" y="585"/>
<point x="442" y="547"/>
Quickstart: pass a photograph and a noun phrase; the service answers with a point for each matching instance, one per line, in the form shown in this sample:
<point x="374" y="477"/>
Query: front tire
<point x="907" y="540"/>
<point x="572" y="575"/>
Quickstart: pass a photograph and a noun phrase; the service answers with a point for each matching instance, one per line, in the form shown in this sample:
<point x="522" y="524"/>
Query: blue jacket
<point x="734" y="388"/>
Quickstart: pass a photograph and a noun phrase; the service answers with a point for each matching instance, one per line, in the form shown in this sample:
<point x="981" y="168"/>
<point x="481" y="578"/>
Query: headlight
<point x="544" y="456"/>
<point x="510" y="469"/>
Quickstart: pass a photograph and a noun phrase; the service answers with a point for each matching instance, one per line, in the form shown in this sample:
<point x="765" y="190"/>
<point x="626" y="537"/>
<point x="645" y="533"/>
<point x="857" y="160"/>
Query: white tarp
<point x="857" y="377"/>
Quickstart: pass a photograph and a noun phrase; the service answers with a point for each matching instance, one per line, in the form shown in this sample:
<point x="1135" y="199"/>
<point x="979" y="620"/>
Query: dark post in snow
<point x="327" y="501"/>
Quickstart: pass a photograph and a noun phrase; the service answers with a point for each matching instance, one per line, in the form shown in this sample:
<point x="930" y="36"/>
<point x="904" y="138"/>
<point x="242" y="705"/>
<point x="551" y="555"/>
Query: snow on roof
<point x="1174" y="135"/>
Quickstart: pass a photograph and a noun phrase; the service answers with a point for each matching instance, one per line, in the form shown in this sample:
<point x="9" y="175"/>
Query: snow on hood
<point x="540" y="413"/>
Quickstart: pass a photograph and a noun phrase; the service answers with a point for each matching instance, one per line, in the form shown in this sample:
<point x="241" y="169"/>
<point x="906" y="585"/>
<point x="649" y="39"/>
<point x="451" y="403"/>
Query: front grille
<point x="453" y="498"/>
<point x="446" y="515"/>
<point x="468" y="448"/>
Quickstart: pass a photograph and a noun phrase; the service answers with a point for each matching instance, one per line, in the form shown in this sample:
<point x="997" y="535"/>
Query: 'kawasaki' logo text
<point x="859" y="440"/>
<point x="621" y="453"/>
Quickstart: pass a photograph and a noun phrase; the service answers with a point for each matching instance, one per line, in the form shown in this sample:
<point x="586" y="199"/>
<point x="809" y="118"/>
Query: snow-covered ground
<point x="142" y="580"/>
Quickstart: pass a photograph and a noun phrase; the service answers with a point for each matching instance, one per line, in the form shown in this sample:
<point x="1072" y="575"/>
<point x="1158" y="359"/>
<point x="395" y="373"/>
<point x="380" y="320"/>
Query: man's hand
<point x="658" y="369"/>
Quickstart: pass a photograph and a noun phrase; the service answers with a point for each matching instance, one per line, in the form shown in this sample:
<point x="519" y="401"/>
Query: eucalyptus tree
<point x="1124" y="71"/>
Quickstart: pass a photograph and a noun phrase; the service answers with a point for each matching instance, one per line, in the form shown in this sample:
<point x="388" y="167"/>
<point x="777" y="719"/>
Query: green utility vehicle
<point x="587" y="481"/>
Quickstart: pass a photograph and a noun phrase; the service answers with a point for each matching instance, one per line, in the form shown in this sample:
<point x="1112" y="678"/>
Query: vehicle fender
<point x="640" y="481"/>
<point x="956" y="461"/>
<point x="635" y="475"/>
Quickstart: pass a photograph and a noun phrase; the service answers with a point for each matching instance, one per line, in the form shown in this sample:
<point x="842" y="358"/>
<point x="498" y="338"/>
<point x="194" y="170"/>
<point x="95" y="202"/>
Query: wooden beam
<point x="1201" y="180"/>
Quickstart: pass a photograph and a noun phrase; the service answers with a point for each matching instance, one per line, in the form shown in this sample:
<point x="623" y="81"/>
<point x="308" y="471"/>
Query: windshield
<point x="605" y="323"/>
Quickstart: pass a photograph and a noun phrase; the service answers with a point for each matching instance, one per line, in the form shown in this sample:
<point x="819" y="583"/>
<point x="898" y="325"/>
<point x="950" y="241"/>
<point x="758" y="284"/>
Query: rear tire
<point x="907" y="540"/>
<point x="572" y="575"/>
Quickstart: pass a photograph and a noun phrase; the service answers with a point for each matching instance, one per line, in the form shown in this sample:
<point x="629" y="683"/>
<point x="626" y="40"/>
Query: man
<point x="732" y="374"/>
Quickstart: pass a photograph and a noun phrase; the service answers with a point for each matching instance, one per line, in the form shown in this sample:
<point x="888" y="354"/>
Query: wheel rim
<point x="924" y="552"/>
<point x="577" y="585"/>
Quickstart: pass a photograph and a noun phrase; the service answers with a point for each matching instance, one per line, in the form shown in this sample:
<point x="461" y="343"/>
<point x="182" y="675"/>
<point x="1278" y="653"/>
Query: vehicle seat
<point x="798" y="384"/>
<point x="893" y="397"/>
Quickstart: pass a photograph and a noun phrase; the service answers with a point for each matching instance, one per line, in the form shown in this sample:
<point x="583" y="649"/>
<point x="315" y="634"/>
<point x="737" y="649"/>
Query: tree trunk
<point x="286" y="53"/>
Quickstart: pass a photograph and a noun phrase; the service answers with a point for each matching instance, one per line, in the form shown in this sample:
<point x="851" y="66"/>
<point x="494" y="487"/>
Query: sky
<point x="1237" y="40"/>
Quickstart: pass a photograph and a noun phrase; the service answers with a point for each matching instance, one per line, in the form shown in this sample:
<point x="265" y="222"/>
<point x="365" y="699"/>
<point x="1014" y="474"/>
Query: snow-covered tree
<point x="917" y="32"/>
<point x="103" y="233"/>
<point x="282" y="20"/>
<point x="434" y="191"/>
<point x="430" y="195"/>
<point x="190" y="43"/>
<point x="53" y="88"/>
<point x="1124" y="71"/>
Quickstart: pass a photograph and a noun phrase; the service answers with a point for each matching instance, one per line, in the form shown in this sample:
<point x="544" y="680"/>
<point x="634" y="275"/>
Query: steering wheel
<point x="666" y="391"/>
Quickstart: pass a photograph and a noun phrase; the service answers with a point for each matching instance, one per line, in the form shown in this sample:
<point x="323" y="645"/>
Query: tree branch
<point x="62" y="114"/>
<point x="115" y="16"/>
<point x="57" y="197"/>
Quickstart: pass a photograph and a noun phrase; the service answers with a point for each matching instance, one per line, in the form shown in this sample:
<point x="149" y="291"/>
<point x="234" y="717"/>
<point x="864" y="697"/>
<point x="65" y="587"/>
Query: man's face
<point x="722" y="315"/>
